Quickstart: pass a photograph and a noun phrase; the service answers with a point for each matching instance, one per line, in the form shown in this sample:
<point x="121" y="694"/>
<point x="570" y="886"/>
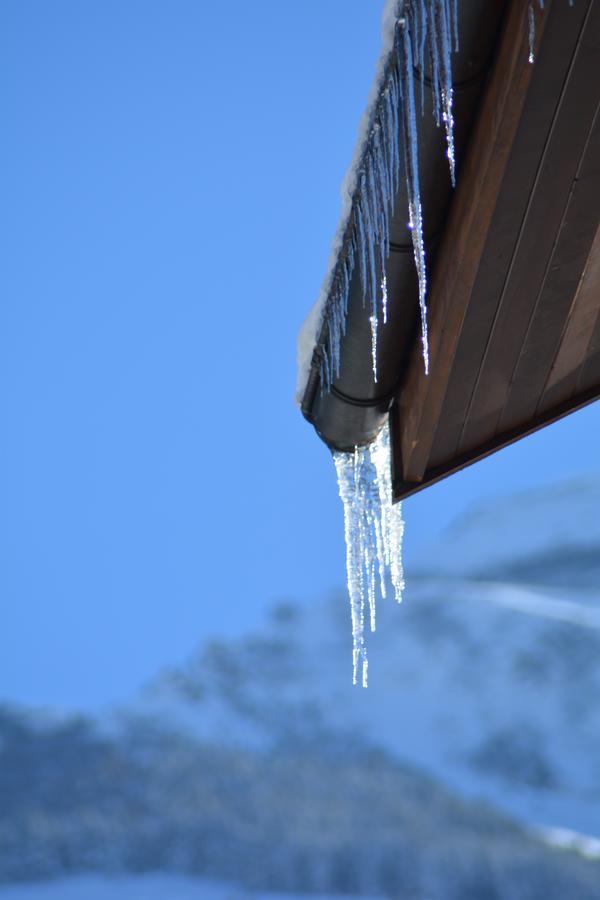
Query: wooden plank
<point x="479" y="181"/>
<point x="562" y="31"/>
<point x="558" y="290"/>
<point x="583" y="320"/>
<point x="589" y="378"/>
<point x="558" y="168"/>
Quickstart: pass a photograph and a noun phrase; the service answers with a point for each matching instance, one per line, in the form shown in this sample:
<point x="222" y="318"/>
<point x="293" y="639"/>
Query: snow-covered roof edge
<point x="312" y="325"/>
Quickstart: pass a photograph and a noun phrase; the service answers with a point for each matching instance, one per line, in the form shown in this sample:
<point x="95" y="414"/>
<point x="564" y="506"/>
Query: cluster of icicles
<point x="426" y="34"/>
<point x="373" y="528"/>
<point x="531" y="21"/>
<point x="373" y="524"/>
<point x="426" y="29"/>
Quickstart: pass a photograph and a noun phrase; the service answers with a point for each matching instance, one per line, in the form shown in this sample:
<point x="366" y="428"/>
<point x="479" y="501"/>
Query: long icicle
<point x="373" y="528"/>
<point x="410" y="142"/>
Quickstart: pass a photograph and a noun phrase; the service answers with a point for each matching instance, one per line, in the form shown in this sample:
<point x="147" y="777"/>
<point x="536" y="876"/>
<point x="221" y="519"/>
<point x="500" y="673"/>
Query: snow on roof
<point x="388" y="132"/>
<point x="311" y="328"/>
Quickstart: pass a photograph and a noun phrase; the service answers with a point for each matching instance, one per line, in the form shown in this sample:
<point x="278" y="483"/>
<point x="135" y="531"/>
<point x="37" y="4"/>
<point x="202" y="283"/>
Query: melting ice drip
<point x="373" y="529"/>
<point x="531" y="26"/>
<point x="425" y="30"/>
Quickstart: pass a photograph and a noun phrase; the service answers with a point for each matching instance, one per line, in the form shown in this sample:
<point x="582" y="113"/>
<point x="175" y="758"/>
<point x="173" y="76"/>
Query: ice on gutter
<point x="311" y="328"/>
<point x="387" y="144"/>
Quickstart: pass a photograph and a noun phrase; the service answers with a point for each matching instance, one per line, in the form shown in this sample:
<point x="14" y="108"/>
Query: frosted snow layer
<point x="373" y="528"/>
<point x="387" y="144"/>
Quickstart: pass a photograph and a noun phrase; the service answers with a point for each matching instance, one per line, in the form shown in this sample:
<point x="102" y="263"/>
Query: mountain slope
<point x="545" y="536"/>
<point x="490" y="687"/>
<point x="470" y="768"/>
<point x="332" y="816"/>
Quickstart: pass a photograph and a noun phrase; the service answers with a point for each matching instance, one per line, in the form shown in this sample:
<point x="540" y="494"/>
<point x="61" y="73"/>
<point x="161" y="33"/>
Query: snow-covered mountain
<point x="327" y="813"/>
<point x="488" y="682"/>
<point x="470" y="767"/>
<point x="490" y="687"/>
<point x="548" y="536"/>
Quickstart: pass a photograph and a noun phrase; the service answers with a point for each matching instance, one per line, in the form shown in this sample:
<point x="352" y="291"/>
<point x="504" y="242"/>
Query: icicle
<point x="374" y="325"/>
<point x="373" y="529"/>
<point x="425" y="25"/>
<point x="455" y="24"/>
<point x="362" y="249"/>
<point x="391" y="522"/>
<point x="531" y="26"/>
<point x="421" y="36"/>
<point x="384" y="298"/>
<point x="411" y="162"/>
<point x="531" y="16"/>
<point x="446" y="91"/>
<point x="434" y="55"/>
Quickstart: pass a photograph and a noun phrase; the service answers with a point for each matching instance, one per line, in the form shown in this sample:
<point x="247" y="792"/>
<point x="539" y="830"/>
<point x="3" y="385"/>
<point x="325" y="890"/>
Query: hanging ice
<point x="531" y="26"/>
<point x="531" y="32"/>
<point x="374" y="327"/>
<point x="373" y="528"/>
<point x="392" y="144"/>
<point x="422" y="30"/>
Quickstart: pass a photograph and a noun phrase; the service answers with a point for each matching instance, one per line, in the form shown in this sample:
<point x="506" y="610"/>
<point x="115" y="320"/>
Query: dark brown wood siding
<point x="515" y="297"/>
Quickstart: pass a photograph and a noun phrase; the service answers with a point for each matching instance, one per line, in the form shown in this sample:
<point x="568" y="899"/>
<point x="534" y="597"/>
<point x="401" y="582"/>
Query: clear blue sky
<point x="169" y="187"/>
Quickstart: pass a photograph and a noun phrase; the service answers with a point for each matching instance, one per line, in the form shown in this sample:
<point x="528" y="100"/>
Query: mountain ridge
<point x="543" y="534"/>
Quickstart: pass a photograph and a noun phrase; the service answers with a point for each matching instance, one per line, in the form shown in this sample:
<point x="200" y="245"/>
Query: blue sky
<point x="169" y="188"/>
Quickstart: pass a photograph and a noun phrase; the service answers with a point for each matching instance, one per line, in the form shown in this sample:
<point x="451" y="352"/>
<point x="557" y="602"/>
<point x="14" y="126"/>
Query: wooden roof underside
<point x="515" y="291"/>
